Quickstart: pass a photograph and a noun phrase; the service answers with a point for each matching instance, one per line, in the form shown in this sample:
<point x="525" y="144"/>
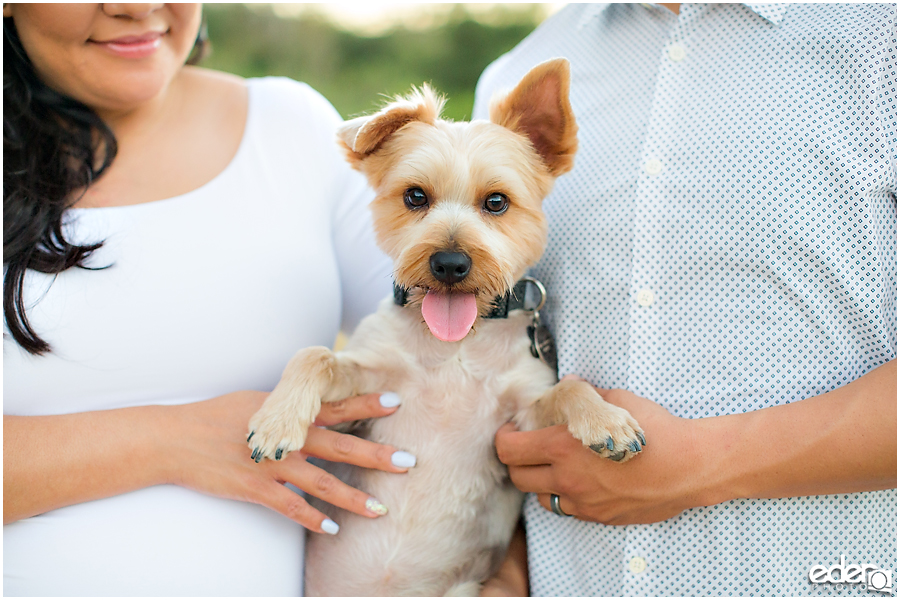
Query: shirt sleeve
<point x="485" y="88"/>
<point x="365" y="271"/>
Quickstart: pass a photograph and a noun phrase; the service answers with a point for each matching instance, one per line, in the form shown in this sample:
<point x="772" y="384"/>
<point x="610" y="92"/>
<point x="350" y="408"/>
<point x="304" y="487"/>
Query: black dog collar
<point x="527" y="294"/>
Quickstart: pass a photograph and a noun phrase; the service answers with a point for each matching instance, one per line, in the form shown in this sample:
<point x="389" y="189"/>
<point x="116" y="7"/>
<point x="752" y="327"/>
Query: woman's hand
<point x="657" y="484"/>
<point x="59" y="460"/>
<point x="212" y="457"/>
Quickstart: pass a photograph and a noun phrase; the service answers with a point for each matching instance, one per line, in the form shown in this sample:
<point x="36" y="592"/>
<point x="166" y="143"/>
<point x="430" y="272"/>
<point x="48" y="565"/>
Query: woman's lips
<point x="133" y="46"/>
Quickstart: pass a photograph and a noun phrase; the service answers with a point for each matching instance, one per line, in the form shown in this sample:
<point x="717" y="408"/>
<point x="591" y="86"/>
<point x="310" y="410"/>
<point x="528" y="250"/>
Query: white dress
<point x="208" y="293"/>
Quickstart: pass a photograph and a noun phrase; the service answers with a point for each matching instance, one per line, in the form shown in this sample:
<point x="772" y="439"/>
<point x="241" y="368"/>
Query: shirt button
<point x="653" y="166"/>
<point x="645" y="298"/>
<point x="637" y="565"/>
<point x="676" y="52"/>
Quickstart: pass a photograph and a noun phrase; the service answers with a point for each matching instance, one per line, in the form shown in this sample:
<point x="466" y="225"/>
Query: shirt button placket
<point x="645" y="298"/>
<point x="637" y="565"/>
<point x="648" y="267"/>
<point x="676" y="52"/>
<point x="653" y="167"/>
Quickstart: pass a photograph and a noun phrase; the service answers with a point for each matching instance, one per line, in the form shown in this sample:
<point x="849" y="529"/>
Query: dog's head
<point x="458" y="205"/>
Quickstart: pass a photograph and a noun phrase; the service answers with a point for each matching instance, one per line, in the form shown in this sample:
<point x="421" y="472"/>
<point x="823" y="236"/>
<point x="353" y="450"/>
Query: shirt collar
<point x="591" y="11"/>
<point x="772" y="13"/>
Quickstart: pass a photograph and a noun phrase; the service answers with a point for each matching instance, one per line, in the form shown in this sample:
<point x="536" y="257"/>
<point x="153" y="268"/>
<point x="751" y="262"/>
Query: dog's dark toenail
<point x="255" y="452"/>
<point x="636" y="446"/>
<point x="617" y="457"/>
<point x="642" y="438"/>
<point x="610" y="444"/>
<point x="259" y="456"/>
<point x="250" y="436"/>
<point x="278" y="454"/>
<point x="598" y="448"/>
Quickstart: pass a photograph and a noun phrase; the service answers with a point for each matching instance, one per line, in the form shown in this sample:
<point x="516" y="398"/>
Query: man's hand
<point x="776" y="452"/>
<point x="658" y="483"/>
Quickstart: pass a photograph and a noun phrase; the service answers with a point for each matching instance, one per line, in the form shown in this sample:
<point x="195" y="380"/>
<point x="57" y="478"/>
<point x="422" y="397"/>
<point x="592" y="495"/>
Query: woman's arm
<point x="55" y="461"/>
<point x="843" y="441"/>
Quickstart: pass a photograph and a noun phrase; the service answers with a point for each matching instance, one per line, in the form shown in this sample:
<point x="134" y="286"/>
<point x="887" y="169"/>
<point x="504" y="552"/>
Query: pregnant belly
<point x="160" y="541"/>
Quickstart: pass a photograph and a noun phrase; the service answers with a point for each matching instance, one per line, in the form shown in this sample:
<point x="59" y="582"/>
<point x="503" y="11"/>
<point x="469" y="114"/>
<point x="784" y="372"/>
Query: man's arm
<point x="843" y="441"/>
<point x="512" y="577"/>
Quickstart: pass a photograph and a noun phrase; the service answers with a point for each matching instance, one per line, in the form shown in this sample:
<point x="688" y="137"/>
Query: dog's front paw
<point x="274" y="431"/>
<point x="606" y="429"/>
<point x="610" y="432"/>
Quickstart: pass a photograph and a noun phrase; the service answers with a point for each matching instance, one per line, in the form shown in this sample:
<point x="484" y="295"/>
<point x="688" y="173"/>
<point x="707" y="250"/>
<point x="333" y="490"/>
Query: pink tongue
<point x="449" y="316"/>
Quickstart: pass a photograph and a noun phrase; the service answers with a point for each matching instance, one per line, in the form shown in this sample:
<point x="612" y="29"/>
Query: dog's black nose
<point x="450" y="267"/>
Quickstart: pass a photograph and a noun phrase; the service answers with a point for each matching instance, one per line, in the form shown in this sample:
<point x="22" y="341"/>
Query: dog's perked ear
<point x="364" y="135"/>
<point x="539" y="108"/>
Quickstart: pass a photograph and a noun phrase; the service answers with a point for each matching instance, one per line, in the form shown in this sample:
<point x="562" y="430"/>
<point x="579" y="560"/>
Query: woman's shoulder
<point x="206" y="84"/>
<point x="279" y="94"/>
<point x="292" y="115"/>
<point x="285" y="119"/>
<point x="279" y="99"/>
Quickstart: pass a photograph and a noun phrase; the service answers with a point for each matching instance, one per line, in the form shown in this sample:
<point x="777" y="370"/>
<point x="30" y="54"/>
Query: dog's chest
<point x="457" y="506"/>
<point x="458" y="382"/>
<point x="454" y="396"/>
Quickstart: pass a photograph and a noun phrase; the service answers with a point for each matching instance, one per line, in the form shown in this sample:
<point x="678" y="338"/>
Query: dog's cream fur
<point x="451" y="517"/>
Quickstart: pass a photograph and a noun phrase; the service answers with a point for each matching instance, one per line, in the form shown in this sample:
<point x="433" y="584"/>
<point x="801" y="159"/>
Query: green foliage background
<point x="356" y="72"/>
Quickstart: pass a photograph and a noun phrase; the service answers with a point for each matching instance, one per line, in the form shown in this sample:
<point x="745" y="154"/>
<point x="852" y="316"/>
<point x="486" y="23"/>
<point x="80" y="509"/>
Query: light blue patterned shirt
<point x="726" y="242"/>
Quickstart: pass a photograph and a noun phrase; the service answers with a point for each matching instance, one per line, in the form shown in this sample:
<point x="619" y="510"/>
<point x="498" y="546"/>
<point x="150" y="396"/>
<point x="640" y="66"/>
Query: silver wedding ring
<point x="554" y="505"/>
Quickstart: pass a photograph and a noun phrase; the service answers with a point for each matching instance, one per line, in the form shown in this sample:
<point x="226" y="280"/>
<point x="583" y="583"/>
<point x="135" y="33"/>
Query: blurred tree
<point x="355" y="72"/>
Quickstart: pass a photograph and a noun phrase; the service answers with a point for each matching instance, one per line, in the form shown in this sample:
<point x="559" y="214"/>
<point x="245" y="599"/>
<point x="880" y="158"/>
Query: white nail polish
<point x="389" y="400"/>
<point x="329" y="526"/>
<point x="402" y="459"/>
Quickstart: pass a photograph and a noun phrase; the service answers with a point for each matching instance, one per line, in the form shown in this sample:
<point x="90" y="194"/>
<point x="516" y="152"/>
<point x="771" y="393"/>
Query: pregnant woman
<point x="171" y="237"/>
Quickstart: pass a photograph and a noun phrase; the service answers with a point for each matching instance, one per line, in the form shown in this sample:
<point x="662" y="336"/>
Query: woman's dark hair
<point x="53" y="146"/>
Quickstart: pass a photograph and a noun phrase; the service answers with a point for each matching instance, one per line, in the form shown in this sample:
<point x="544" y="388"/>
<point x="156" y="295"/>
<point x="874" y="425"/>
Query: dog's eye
<point x="415" y="198"/>
<point x="496" y="204"/>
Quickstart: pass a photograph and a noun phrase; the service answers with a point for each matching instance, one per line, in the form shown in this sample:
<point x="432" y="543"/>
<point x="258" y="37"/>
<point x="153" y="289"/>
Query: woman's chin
<point x="130" y="91"/>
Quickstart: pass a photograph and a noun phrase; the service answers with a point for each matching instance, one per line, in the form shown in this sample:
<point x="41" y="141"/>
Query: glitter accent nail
<point x="376" y="507"/>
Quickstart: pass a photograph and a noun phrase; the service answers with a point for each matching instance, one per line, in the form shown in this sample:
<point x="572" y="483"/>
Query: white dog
<point x="458" y="209"/>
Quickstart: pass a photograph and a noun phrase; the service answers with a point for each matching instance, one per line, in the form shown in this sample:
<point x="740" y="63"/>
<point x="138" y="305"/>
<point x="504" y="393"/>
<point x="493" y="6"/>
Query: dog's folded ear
<point x="364" y="135"/>
<point x="539" y="108"/>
